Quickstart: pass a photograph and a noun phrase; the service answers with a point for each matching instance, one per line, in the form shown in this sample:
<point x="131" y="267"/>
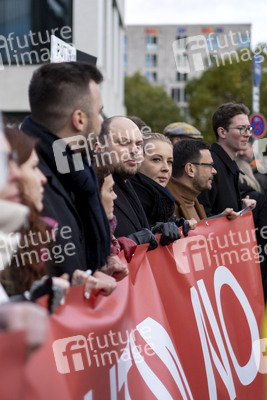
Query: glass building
<point x="26" y="26"/>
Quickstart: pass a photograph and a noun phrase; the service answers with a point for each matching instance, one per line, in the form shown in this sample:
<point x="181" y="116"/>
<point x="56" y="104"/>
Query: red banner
<point x="12" y="351"/>
<point x="185" y="324"/>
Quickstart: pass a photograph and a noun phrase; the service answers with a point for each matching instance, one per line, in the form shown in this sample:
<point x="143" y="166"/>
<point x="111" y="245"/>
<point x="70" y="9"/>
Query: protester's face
<point x="10" y="191"/>
<point x="96" y="107"/>
<point x="108" y="196"/>
<point x="246" y="154"/>
<point x="204" y="173"/>
<point x="125" y="147"/>
<point x="32" y="181"/>
<point x="233" y="140"/>
<point x="158" y="165"/>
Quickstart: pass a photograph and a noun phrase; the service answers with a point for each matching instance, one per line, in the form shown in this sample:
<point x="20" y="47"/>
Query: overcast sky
<point x="200" y="12"/>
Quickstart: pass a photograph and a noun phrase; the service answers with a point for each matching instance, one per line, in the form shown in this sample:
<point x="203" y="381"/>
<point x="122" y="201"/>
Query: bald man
<point x="121" y="144"/>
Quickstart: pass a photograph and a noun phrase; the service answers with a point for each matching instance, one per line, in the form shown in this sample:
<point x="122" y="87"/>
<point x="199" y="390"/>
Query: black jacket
<point x="127" y="209"/>
<point x="73" y="200"/>
<point x="59" y="205"/>
<point x="225" y="191"/>
<point x="157" y="201"/>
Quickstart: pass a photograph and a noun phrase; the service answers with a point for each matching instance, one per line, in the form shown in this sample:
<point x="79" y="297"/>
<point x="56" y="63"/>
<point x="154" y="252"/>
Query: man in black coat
<point x="232" y="130"/>
<point x="65" y="110"/>
<point x="121" y="144"/>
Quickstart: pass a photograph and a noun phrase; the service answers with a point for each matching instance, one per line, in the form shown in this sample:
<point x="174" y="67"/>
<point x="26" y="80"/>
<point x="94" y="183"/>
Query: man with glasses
<point x="193" y="171"/>
<point x="232" y="130"/>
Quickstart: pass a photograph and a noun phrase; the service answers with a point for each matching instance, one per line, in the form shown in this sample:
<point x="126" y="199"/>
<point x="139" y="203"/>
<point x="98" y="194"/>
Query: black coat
<point x="72" y="199"/>
<point x="157" y="201"/>
<point x="225" y="191"/>
<point x="59" y="205"/>
<point x="127" y="209"/>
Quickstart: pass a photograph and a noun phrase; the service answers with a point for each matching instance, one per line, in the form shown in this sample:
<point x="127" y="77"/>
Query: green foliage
<point x="228" y="80"/>
<point x="150" y="103"/>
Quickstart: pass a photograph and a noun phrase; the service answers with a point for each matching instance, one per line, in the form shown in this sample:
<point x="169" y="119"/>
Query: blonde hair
<point x="248" y="176"/>
<point x="149" y="136"/>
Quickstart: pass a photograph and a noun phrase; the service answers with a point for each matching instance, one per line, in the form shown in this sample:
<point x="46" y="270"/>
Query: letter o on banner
<point x="248" y="372"/>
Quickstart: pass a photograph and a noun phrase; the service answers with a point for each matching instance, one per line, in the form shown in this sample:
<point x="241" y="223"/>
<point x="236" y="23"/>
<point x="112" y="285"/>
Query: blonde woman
<point x="151" y="181"/>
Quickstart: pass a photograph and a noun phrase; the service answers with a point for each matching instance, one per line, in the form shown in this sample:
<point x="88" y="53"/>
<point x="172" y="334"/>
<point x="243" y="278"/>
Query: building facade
<point x="94" y="27"/>
<point x="170" y="55"/>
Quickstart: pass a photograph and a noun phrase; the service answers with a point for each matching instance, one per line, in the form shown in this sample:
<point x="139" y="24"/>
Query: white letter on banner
<point x="113" y="383"/>
<point x="224" y="370"/>
<point x="89" y="395"/>
<point x="123" y="368"/>
<point x="248" y="372"/>
<point x="162" y="345"/>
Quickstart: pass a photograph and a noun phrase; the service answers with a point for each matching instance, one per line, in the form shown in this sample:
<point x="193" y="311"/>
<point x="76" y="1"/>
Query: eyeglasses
<point x="211" y="165"/>
<point x="243" y="129"/>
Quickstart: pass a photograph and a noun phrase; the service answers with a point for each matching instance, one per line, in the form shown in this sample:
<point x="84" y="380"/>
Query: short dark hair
<point x="105" y="130"/>
<point x="57" y="89"/>
<point x="185" y="151"/>
<point x="223" y="115"/>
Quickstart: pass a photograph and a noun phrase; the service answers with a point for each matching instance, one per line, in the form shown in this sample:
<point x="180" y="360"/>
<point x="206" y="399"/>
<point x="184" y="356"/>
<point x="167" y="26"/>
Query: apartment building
<point x="170" y="55"/>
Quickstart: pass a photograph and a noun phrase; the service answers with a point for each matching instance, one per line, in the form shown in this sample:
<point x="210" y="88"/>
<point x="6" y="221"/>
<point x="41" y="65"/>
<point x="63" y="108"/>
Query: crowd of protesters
<point x="67" y="212"/>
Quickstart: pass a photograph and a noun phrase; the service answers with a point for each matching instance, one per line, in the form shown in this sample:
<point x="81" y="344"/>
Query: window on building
<point x="185" y="95"/>
<point x="181" y="77"/>
<point x="151" y="76"/>
<point x="125" y="42"/>
<point x="151" y="60"/>
<point x="151" y="42"/>
<point x="125" y="61"/>
<point x="243" y="40"/>
<point x="182" y="61"/>
<point x="176" y="94"/>
<point x="212" y="42"/>
<point x="27" y="26"/>
<point x="181" y="42"/>
<point x="148" y="60"/>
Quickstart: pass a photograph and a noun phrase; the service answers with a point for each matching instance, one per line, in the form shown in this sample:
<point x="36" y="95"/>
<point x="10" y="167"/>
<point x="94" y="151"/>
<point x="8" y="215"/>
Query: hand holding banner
<point x="185" y="324"/>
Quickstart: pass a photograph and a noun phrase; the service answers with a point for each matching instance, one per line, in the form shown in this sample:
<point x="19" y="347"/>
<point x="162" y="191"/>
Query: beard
<point x="200" y="184"/>
<point x="125" y="171"/>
